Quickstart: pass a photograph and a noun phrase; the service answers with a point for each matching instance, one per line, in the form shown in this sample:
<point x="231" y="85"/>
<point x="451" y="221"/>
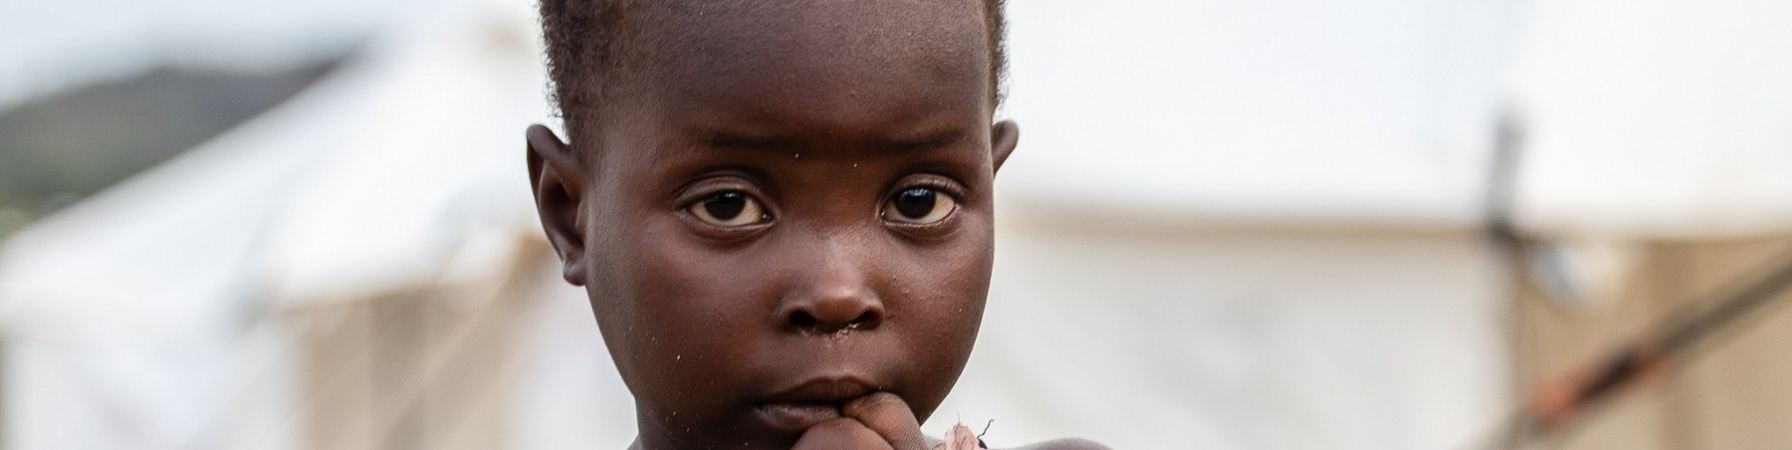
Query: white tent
<point x="1653" y="141"/>
<point x="151" y="315"/>
<point x="1656" y="119"/>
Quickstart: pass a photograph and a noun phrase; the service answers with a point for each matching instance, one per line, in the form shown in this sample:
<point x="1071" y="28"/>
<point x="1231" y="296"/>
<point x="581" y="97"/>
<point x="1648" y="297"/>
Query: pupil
<point x="915" y="203"/>
<point x="726" y="205"/>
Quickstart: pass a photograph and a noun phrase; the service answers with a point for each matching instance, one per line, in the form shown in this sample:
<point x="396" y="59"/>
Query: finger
<point x="889" y="416"/>
<point x="840" y="434"/>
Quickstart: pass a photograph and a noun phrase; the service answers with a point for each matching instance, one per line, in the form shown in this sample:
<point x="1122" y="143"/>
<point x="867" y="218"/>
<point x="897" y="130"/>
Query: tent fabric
<point x="141" y="304"/>
<point x="1376" y="113"/>
<point x="1655" y="119"/>
<point x="145" y="317"/>
<point x="435" y="163"/>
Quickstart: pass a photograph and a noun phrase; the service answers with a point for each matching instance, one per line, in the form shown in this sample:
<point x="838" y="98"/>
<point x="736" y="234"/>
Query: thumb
<point x="890" y="417"/>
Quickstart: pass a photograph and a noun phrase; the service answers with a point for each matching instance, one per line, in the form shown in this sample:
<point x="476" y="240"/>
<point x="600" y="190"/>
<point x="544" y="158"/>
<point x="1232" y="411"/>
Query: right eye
<point x="728" y="209"/>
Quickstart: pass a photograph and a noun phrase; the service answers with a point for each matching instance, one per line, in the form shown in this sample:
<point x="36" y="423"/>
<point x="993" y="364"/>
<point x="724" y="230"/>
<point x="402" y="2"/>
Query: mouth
<point x="796" y="409"/>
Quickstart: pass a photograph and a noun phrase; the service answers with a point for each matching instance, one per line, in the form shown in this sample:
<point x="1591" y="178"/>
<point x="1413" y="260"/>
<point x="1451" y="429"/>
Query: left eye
<point x="919" y="206"/>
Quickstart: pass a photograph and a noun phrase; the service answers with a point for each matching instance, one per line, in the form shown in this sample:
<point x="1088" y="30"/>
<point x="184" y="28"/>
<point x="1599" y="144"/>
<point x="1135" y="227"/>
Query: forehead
<point x="791" y="62"/>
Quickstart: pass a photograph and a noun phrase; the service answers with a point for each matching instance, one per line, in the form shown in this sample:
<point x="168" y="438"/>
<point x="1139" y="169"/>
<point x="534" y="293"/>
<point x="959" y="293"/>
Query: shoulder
<point x="1065" y="444"/>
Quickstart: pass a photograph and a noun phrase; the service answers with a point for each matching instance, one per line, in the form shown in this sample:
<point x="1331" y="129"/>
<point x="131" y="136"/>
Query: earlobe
<point x="554" y="176"/>
<point x="1003" y="137"/>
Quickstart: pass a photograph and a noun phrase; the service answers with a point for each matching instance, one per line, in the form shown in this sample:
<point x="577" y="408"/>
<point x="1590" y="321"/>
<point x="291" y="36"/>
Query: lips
<point x="814" y="401"/>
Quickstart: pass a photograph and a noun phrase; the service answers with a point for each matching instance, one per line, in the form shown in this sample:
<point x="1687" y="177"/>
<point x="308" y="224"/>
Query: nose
<point x="834" y="297"/>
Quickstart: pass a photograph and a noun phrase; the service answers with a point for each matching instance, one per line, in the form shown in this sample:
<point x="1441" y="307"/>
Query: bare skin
<point x="784" y="222"/>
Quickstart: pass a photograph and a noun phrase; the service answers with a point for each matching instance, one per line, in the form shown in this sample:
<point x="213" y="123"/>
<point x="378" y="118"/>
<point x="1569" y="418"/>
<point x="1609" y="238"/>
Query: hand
<point x="841" y="433"/>
<point x="879" y="421"/>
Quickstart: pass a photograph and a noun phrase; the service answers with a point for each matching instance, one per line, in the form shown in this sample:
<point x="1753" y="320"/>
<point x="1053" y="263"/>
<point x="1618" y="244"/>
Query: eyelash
<point x="696" y="198"/>
<point x="939" y="187"/>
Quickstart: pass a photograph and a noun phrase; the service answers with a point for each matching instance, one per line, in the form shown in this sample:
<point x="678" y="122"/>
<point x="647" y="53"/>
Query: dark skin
<point x="786" y="230"/>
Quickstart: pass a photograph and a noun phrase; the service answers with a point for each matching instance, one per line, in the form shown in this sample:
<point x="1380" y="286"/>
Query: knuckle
<point x="878" y="403"/>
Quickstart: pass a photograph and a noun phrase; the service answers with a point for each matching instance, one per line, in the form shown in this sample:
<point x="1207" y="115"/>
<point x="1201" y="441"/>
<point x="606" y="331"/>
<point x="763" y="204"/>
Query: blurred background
<point x="1232" y="224"/>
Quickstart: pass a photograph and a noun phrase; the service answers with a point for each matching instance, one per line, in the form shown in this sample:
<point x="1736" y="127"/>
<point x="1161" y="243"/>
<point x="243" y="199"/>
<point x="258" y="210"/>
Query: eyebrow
<point x="918" y="142"/>
<point x="732" y="140"/>
<point x="930" y="141"/>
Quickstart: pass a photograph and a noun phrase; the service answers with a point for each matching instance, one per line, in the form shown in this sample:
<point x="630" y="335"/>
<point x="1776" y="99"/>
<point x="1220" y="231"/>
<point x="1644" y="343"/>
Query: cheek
<point x="944" y="286"/>
<point x="673" y="321"/>
<point x="937" y="309"/>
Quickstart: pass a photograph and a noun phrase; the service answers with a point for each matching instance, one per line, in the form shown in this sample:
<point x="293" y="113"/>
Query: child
<point x="781" y="210"/>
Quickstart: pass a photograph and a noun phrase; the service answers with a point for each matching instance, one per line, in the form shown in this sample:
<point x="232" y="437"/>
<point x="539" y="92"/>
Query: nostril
<point x="806" y="321"/>
<point x="866" y="321"/>
<point x="802" y="320"/>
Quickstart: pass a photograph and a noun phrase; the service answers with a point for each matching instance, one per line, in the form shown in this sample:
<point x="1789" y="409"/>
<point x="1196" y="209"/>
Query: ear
<point x="1003" y="137"/>
<point x="555" y="177"/>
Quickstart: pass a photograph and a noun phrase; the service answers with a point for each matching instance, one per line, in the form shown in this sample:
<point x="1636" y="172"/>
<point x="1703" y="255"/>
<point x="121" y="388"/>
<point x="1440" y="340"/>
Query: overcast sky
<point x="47" y="45"/>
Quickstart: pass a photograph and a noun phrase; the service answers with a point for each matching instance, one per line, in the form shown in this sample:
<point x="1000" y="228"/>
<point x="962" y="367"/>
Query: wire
<point x="1559" y="401"/>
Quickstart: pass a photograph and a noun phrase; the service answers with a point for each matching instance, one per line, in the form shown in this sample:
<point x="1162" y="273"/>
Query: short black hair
<point x="583" y="35"/>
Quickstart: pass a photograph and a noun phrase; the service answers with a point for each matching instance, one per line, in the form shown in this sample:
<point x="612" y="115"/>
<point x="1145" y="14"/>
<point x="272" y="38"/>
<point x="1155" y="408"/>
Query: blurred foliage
<point x="61" y="148"/>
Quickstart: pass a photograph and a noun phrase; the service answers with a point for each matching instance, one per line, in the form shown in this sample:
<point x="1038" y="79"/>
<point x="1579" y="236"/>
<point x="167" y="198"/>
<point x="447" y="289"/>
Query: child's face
<point x="788" y="205"/>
